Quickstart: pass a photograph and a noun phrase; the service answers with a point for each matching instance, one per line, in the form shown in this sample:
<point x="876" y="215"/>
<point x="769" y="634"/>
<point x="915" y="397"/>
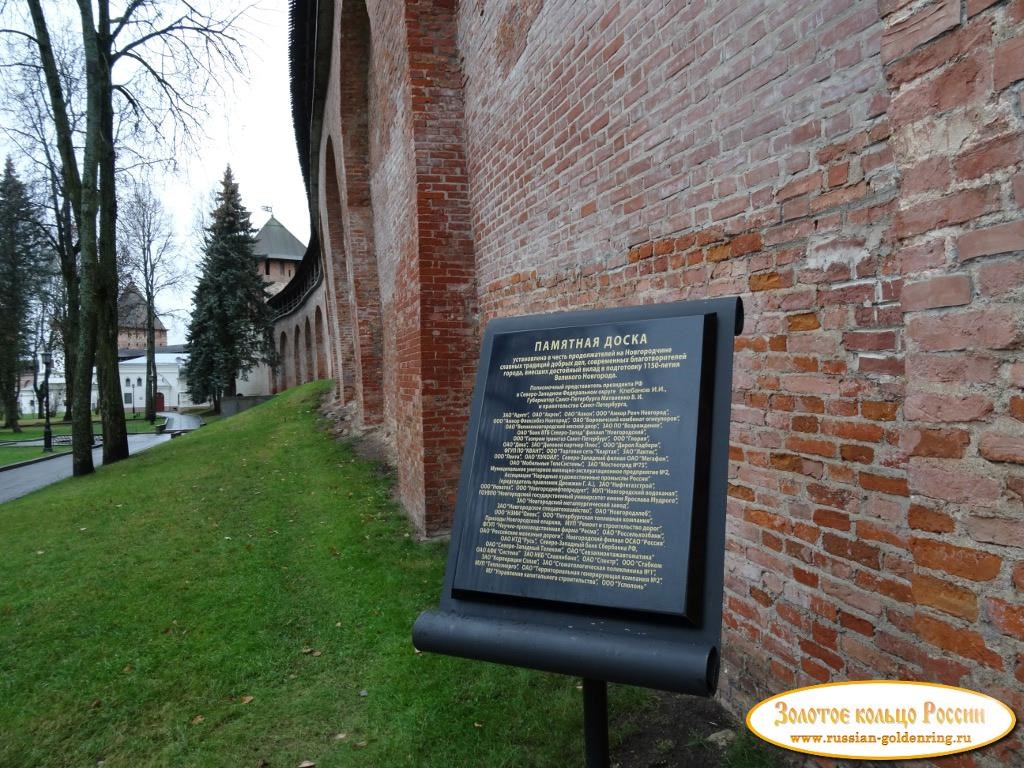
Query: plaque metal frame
<point x="591" y="642"/>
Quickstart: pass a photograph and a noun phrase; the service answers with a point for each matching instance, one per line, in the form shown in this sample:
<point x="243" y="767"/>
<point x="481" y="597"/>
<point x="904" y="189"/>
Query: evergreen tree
<point x="22" y="269"/>
<point x="231" y="330"/>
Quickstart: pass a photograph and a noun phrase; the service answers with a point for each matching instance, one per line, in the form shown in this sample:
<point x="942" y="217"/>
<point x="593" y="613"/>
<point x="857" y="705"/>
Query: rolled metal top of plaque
<point x="589" y="531"/>
<point x="652" y="662"/>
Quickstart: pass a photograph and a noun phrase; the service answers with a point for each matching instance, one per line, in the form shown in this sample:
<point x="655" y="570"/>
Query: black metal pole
<point x="595" y="723"/>
<point x="47" y="432"/>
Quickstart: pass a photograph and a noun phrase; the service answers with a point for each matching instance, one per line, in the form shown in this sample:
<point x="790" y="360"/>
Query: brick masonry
<point x="852" y="169"/>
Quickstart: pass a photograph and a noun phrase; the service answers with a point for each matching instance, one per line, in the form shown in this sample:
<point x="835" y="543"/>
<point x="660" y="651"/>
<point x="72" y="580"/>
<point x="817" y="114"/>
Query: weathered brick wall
<point x="340" y="342"/>
<point x="357" y="215"/>
<point x="135" y="338"/>
<point x="853" y="170"/>
<point x="447" y="278"/>
<point x="301" y="339"/>
<point x="955" y="115"/>
<point x="393" y="164"/>
<point x="399" y="249"/>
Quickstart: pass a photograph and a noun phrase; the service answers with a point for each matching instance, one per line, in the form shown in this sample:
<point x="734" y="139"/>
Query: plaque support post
<point x="595" y="723"/>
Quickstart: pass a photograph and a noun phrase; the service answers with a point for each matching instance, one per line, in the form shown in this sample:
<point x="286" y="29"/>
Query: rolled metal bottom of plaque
<point x="667" y="665"/>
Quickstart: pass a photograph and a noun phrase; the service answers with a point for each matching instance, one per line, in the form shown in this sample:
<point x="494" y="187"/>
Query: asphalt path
<point x="181" y="422"/>
<point x="23" y="480"/>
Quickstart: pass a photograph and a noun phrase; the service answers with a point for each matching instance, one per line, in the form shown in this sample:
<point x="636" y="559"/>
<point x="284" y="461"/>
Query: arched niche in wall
<point x="335" y="238"/>
<point x="364" y="284"/>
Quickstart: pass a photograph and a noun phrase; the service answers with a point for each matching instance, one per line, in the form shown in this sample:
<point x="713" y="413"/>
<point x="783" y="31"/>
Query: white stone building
<point x="172" y="388"/>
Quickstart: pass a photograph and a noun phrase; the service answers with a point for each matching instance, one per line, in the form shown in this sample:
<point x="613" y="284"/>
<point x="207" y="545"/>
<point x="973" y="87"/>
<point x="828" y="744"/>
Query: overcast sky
<point x="250" y="129"/>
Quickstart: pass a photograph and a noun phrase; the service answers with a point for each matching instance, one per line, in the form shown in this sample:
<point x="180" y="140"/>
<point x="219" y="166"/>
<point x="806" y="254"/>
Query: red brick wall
<point x="393" y="168"/>
<point x="447" y="278"/>
<point x="357" y="212"/>
<point x="135" y="338"/>
<point x="335" y="266"/>
<point x="955" y="117"/>
<point x="853" y="170"/>
<point x="302" y="356"/>
<point x="400" y="228"/>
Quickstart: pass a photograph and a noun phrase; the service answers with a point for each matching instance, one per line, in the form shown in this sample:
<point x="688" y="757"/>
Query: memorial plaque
<point x="589" y="531"/>
<point x="587" y="483"/>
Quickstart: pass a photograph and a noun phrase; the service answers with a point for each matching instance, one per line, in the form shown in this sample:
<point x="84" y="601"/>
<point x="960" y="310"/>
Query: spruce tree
<point x="231" y="329"/>
<point x="22" y="269"/>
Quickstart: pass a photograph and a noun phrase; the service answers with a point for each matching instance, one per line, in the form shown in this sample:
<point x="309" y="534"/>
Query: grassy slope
<point x="10" y="455"/>
<point x="159" y="590"/>
<point x="35" y="431"/>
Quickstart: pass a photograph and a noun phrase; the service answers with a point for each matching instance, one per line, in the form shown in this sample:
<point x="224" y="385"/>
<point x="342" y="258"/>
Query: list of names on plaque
<point x="581" y="483"/>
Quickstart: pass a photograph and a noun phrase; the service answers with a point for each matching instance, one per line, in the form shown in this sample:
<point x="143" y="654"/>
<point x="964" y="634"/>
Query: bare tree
<point x="148" y="256"/>
<point x="168" y="56"/>
<point x="43" y="330"/>
<point x="30" y="127"/>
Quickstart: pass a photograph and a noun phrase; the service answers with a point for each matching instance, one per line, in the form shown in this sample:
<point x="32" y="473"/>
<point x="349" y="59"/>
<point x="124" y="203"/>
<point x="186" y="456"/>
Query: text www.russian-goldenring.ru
<point x="885" y="739"/>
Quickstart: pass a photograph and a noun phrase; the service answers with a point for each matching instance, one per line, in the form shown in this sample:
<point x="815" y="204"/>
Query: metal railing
<point x="306" y="280"/>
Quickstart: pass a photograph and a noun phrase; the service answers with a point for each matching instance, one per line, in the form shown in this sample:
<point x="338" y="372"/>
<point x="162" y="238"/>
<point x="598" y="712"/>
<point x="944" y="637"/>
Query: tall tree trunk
<point x="115" y="432"/>
<point x="37" y="387"/>
<point x="80" y="383"/>
<point x="69" y="335"/>
<point x="87" y="229"/>
<point x="150" y="347"/>
<point x="10" y="398"/>
<point x="69" y="323"/>
<point x="85" y="353"/>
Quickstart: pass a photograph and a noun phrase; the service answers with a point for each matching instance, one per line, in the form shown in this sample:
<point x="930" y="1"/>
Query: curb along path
<point x="26" y="477"/>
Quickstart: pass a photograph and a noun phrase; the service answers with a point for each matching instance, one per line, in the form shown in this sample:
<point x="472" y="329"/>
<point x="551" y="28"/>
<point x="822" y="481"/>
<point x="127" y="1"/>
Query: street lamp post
<point x="47" y="432"/>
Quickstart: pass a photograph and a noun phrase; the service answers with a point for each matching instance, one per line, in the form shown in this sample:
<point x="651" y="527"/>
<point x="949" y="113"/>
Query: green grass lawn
<point x="140" y="425"/>
<point x="14" y="455"/>
<point x="33" y="431"/>
<point x="142" y="607"/>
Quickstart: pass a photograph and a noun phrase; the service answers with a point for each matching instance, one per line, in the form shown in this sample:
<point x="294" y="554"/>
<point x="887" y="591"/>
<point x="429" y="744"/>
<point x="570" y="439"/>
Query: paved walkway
<point x="181" y="422"/>
<point x="18" y="482"/>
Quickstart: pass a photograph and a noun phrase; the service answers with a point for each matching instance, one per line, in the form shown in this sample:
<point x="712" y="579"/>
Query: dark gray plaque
<point x="586" y="482"/>
<point x="589" y="531"/>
